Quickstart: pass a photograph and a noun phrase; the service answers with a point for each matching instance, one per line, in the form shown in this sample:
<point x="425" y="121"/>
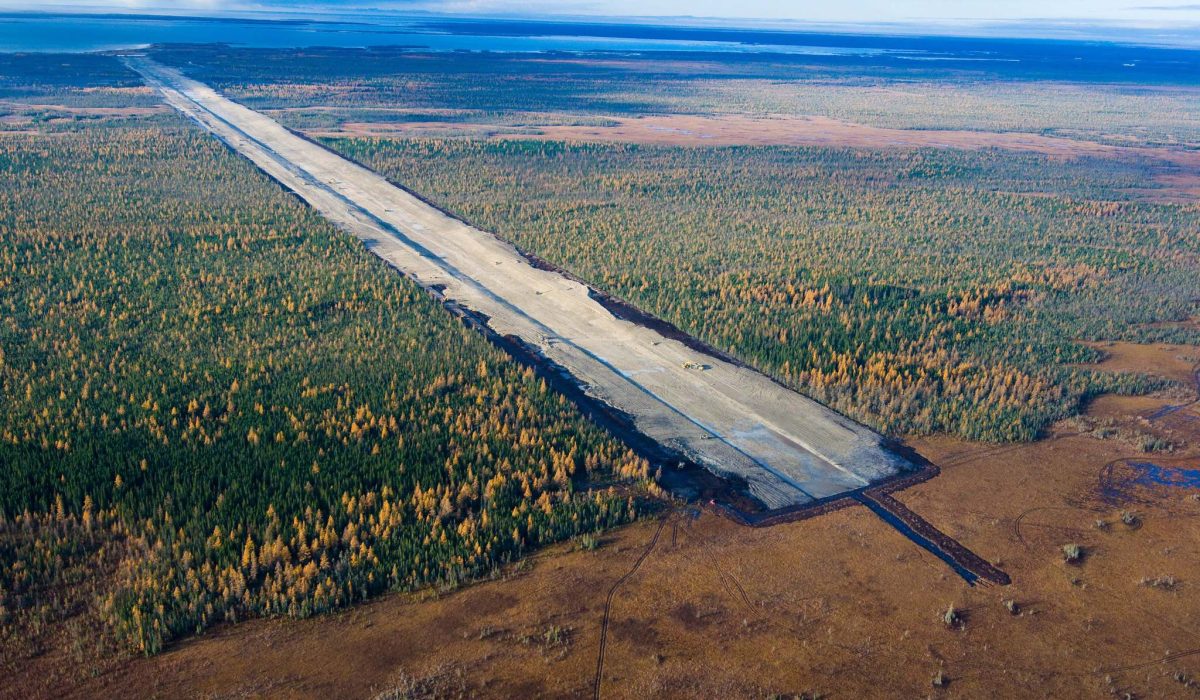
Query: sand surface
<point x="789" y="449"/>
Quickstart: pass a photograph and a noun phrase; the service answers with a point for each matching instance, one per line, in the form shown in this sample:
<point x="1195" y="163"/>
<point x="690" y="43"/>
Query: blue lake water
<point x="26" y="32"/>
<point x="997" y="58"/>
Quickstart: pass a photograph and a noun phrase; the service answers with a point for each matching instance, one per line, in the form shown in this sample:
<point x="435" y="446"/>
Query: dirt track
<point x="788" y="449"/>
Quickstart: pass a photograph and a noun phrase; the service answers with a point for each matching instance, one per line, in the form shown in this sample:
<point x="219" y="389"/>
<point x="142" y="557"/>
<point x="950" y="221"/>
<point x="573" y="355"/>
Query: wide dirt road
<point x="789" y="449"/>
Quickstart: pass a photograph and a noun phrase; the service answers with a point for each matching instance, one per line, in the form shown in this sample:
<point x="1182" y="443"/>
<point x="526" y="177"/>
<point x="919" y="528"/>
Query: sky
<point x="1148" y="13"/>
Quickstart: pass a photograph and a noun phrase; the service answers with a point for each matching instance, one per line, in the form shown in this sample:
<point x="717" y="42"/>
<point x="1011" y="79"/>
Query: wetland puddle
<point x="1150" y="474"/>
<point x="1121" y="480"/>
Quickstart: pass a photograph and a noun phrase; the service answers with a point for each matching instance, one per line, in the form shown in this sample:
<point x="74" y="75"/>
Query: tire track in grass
<point x="741" y="592"/>
<point x="612" y="592"/>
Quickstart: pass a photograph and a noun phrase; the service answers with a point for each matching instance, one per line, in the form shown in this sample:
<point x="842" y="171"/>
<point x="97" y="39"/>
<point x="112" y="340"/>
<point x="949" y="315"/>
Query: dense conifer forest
<point x="214" y="405"/>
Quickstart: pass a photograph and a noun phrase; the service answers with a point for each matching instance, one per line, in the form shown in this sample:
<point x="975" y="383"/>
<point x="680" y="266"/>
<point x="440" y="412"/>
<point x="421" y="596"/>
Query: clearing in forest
<point x="788" y="449"/>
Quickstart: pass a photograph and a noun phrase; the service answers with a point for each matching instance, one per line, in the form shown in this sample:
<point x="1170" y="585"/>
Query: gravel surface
<point x="788" y="448"/>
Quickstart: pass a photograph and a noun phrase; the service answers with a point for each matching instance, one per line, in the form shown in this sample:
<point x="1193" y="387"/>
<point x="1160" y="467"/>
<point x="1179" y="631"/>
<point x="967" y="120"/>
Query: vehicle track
<point x="976" y="455"/>
<point x="1170" y="410"/>
<point x="741" y="591"/>
<point x="1146" y="664"/>
<point x="612" y="592"/>
<point x="1030" y="511"/>
<point x="729" y="582"/>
